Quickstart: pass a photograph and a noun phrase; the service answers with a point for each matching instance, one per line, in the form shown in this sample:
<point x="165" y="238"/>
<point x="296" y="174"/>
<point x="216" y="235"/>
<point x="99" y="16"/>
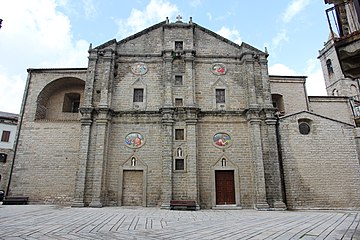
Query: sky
<point x="57" y="33"/>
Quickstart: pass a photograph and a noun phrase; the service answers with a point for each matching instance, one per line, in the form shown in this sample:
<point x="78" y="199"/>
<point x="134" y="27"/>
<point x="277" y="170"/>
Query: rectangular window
<point x="179" y="45"/>
<point x="178" y="80"/>
<point x="71" y="102"/>
<point x="220" y="95"/>
<point x="179" y="164"/>
<point x="138" y="95"/>
<point x="179" y="134"/>
<point x="3" y="157"/>
<point x="5" y="136"/>
<point x="178" y="102"/>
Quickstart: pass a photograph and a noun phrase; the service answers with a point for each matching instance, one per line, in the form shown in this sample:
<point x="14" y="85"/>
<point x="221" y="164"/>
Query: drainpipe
<point x="281" y="168"/>
<point x="19" y="128"/>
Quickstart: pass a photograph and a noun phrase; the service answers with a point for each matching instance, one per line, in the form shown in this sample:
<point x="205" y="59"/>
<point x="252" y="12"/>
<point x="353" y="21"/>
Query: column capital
<point x="271" y="121"/>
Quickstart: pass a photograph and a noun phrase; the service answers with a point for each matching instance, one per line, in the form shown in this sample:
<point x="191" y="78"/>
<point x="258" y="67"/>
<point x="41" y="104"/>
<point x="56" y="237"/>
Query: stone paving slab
<point x="55" y="222"/>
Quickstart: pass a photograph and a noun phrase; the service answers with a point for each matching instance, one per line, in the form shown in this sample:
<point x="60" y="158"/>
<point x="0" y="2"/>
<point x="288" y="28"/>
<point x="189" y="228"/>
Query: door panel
<point x="225" y="188"/>
<point x="133" y="188"/>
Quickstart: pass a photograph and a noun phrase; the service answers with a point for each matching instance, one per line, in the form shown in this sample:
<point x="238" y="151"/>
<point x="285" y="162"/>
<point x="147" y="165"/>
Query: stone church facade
<point x="177" y="112"/>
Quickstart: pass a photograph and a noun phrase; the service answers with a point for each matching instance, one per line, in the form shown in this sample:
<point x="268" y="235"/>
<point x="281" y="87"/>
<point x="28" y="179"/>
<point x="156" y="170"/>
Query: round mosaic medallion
<point x="139" y="68"/>
<point x="218" y="69"/>
<point x="222" y="140"/>
<point x="134" y="140"/>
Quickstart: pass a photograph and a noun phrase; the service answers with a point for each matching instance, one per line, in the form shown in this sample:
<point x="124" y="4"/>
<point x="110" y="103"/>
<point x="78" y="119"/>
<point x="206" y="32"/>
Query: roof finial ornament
<point x="178" y="18"/>
<point x="190" y="20"/>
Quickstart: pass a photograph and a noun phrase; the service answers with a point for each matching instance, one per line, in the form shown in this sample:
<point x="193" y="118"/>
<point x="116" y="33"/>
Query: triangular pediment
<point x="134" y="161"/>
<point x="307" y="114"/>
<point x="224" y="161"/>
<point x="220" y="83"/>
<point x="201" y="34"/>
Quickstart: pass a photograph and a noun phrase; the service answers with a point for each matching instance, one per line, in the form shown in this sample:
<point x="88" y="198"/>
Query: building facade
<point x="8" y="122"/>
<point x="177" y="112"/>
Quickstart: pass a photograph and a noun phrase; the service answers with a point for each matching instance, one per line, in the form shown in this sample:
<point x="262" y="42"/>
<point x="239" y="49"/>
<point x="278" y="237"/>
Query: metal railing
<point x="343" y="19"/>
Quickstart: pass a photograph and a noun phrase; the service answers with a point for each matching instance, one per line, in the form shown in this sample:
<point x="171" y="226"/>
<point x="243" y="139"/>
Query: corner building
<point x="174" y="112"/>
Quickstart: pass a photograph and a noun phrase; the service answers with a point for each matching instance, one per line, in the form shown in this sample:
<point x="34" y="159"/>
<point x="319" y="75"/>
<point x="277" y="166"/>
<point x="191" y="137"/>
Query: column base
<point x="262" y="206"/>
<point x="165" y="206"/>
<point x="77" y="203"/>
<point x="96" y="204"/>
<point x="279" y="205"/>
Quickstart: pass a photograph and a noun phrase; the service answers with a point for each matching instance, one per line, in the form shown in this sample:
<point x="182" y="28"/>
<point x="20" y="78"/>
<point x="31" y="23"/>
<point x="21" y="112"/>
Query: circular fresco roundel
<point x="222" y="140"/>
<point x="134" y="140"/>
<point x="139" y="68"/>
<point x="218" y="69"/>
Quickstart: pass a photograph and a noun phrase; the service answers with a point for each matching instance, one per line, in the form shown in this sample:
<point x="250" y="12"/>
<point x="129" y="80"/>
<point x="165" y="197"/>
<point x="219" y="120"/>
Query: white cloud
<point x="233" y="35"/>
<point x="209" y="16"/>
<point x="279" y="38"/>
<point x="11" y="91"/>
<point x="315" y="85"/>
<point x="281" y="69"/>
<point x="36" y="36"/>
<point x="293" y="9"/>
<point x="195" y="3"/>
<point x="89" y="8"/>
<point x="156" y="11"/>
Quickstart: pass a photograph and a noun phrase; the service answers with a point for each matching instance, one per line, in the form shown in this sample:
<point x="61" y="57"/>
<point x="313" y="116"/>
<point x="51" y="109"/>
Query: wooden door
<point x="225" y="188"/>
<point x="133" y="188"/>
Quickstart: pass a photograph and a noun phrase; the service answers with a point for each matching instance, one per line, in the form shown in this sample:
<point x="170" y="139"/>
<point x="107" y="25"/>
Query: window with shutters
<point x="220" y="95"/>
<point x="5" y="137"/>
<point x="138" y="95"/>
<point x="179" y="164"/>
<point x="178" y="102"/>
<point x="179" y="45"/>
<point x="179" y="134"/>
<point x="178" y="80"/>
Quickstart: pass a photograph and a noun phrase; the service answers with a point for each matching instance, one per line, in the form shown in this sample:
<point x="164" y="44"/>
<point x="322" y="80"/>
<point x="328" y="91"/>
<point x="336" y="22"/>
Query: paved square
<point x="55" y="222"/>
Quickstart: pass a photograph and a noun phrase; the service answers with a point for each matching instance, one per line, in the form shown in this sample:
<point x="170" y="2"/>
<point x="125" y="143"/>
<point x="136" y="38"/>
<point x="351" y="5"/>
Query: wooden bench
<point x="183" y="204"/>
<point x="15" y="200"/>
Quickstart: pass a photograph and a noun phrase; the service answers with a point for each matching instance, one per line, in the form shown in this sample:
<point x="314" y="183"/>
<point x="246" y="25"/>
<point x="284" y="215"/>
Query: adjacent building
<point x="8" y="122"/>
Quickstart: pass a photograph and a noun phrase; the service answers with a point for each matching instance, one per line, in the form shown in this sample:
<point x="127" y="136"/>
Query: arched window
<point x="133" y="161"/>
<point x="329" y="67"/>
<point x="223" y="162"/>
<point x="179" y="152"/>
<point x="60" y="99"/>
<point x="335" y="92"/>
<point x="278" y="103"/>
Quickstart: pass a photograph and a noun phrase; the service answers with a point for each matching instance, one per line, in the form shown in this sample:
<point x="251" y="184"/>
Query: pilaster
<point x="250" y="80"/>
<point x="168" y="99"/>
<point x="191" y="137"/>
<point x="258" y="164"/>
<point x="90" y="78"/>
<point x="167" y="159"/>
<point x="86" y="122"/>
<point x="102" y="122"/>
<point x="277" y="191"/>
<point x="106" y="78"/>
<point x="190" y="78"/>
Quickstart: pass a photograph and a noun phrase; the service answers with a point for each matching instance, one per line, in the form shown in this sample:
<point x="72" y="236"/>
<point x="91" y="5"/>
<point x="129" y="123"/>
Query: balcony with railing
<point x="344" y="23"/>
